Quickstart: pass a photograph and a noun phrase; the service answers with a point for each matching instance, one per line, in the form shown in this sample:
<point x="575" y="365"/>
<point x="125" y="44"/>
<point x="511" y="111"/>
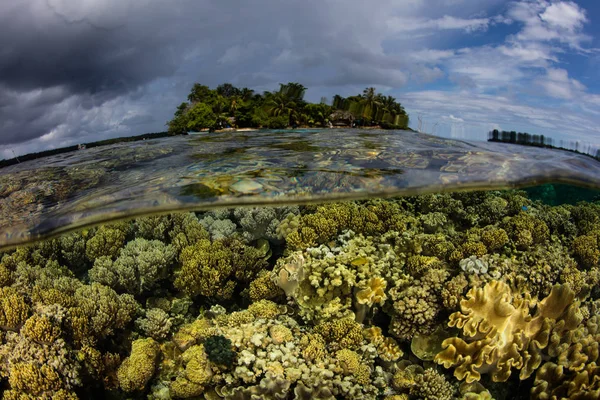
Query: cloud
<point x="557" y="84"/>
<point x="403" y="24"/>
<point x="74" y="71"/>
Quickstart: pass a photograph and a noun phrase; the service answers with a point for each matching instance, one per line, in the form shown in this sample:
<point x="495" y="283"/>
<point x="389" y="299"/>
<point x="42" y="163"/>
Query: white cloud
<point x="447" y="22"/>
<point x="565" y="15"/>
<point x="557" y="84"/>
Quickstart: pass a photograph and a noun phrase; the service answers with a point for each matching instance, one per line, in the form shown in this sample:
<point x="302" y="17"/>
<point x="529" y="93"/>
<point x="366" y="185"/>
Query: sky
<point x="76" y="71"/>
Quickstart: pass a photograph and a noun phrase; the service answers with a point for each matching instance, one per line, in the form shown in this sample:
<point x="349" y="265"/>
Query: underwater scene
<point x="304" y="264"/>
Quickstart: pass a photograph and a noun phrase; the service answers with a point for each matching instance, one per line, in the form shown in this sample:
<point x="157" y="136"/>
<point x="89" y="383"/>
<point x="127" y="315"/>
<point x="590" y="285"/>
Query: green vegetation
<point x="228" y="105"/>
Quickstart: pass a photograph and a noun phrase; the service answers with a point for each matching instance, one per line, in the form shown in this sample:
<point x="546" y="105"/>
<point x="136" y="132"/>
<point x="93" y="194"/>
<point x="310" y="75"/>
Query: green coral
<point x="137" y="370"/>
<point x="140" y="265"/>
<point x="218" y="349"/>
<point x="155" y="324"/>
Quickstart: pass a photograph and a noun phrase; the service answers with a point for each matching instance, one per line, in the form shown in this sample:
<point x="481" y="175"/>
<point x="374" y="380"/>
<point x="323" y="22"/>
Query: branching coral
<point x="224" y="261"/>
<point x="98" y="312"/>
<point x="156" y="324"/>
<point x="321" y="280"/>
<point x="415" y="307"/>
<point x="140" y="265"/>
<point x="107" y="241"/>
<point x="38" y="362"/>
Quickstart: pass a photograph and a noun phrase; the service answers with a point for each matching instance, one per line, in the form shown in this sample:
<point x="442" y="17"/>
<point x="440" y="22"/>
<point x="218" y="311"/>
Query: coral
<point x="425" y="347"/>
<point x="453" y="291"/>
<point x="224" y="261"/>
<point x="38" y="369"/>
<point x="14" y="310"/>
<point x="321" y="280"/>
<point x="196" y="374"/>
<point x="72" y="249"/>
<point x="262" y="222"/>
<point x="473" y="265"/>
<point x="99" y="310"/>
<point x="156" y="323"/>
<point x="433" y="222"/>
<point x="430" y="385"/>
<point x="372" y="292"/>
<point x="416" y="265"/>
<point x="287" y="225"/>
<point x="350" y="363"/>
<point x="525" y="230"/>
<point x="137" y="369"/>
<point x="415" y="308"/>
<point x="494" y="238"/>
<point x="218" y="350"/>
<point x="500" y="332"/>
<point x="107" y="241"/>
<point x="341" y="334"/>
<point x="585" y="249"/>
<point x="387" y="348"/>
<point x="154" y="227"/>
<point x="186" y="231"/>
<point x="263" y="287"/>
<point x="264" y="309"/>
<point x="140" y="265"/>
<point x="218" y="228"/>
<point x="192" y="333"/>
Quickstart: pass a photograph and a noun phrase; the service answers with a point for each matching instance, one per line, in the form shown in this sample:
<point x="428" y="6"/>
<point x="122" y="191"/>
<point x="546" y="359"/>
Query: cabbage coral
<point x="500" y="334"/>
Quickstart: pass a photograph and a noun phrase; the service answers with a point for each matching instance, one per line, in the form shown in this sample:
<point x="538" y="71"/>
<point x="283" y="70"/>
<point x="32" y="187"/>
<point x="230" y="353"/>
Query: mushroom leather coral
<point x="500" y="332"/>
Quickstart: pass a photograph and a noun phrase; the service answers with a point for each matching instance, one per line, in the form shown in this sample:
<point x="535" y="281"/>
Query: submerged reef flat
<point x="480" y="295"/>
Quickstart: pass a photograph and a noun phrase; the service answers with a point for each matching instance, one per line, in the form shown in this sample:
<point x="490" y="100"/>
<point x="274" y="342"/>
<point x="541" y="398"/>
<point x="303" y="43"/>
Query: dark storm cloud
<point x="82" y="69"/>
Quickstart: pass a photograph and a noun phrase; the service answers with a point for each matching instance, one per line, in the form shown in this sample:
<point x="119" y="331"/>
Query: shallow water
<point x="73" y="190"/>
<point x="442" y="295"/>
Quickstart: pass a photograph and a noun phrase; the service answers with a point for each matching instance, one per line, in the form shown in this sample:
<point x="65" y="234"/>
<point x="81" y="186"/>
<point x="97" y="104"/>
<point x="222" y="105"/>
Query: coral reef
<point x="471" y="295"/>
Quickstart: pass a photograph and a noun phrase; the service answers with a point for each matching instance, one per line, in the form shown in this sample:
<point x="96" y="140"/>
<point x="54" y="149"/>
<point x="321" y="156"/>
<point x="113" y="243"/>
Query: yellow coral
<point x="138" y="368"/>
<point x="280" y="334"/>
<point x="196" y="375"/>
<point x="344" y="333"/>
<point x="351" y="365"/>
<point x="264" y="309"/>
<point x="501" y="333"/>
<point x="190" y="334"/>
<point x="373" y="292"/>
<point x="41" y="329"/>
<point x="263" y="287"/>
<point x="313" y="347"/>
<point x="13" y="309"/>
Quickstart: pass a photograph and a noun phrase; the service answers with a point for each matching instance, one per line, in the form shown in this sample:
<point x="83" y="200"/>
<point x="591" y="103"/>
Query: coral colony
<point x="476" y="295"/>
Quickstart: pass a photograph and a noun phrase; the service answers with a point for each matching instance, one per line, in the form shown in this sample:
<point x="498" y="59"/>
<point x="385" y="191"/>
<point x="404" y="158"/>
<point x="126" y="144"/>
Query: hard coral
<point x="99" y="311"/>
<point x="107" y="241"/>
<point x="14" y="310"/>
<point x="138" y="368"/>
<point x="140" y="265"/>
<point x="218" y="350"/>
<point x="212" y="268"/>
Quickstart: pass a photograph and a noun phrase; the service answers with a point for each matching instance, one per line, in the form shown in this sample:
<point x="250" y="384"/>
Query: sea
<point x="301" y="264"/>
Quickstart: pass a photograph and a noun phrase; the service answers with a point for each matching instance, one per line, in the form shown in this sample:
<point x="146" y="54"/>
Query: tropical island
<point x="229" y="106"/>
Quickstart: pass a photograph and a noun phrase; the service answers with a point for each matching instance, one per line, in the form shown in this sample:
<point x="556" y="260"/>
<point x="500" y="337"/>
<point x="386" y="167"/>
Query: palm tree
<point x="370" y="101"/>
<point x="280" y="103"/>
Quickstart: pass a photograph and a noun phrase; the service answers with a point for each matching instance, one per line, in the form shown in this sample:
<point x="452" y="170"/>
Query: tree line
<point x="527" y="139"/>
<point x="228" y="105"/>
